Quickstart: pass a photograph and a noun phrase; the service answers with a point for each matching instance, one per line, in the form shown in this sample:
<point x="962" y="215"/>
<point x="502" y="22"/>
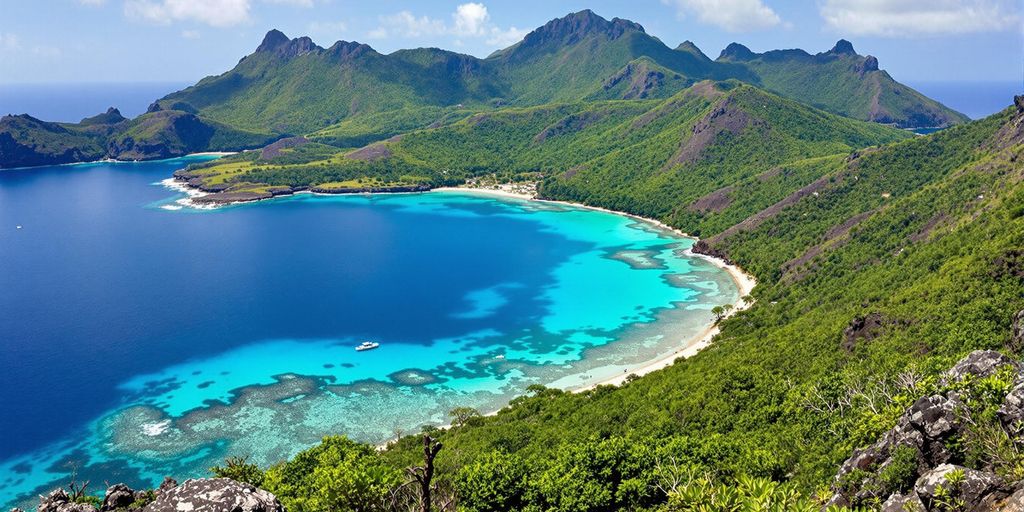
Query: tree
<point x="240" y="470"/>
<point x="463" y="415"/>
<point x="721" y="312"/>
<point x="493" y="483"/>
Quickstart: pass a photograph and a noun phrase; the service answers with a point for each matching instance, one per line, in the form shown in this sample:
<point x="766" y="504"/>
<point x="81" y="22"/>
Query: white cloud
<point x="9" y="42"/>
<point x="190" y="34"/>
<point x="406" y="24"/>
<point x="470" y="19"/>
<point x="297" y="3"/>
<point x="731" y="15"/>
<point x="507" y="37"/>
<point x="218" y="13"/>
<point x="909" y="18"/>
<point x="328" y="28"/>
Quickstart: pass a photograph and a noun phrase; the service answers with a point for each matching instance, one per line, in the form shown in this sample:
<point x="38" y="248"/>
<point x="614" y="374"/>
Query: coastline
<point x="743" y="281"/>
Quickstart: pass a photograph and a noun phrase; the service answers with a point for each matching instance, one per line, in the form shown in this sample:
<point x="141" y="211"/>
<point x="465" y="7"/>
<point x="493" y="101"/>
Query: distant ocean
<point x="73" y="102"/>
<point x="976" y="99"/>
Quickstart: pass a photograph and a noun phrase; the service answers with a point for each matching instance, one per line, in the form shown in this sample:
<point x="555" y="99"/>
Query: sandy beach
<point x="744" y="284"/>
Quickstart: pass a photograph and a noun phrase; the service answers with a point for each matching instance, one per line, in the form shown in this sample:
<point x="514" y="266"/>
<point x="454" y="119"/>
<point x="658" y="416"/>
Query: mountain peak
<point x="577" y="24"/>
<point x="272" y="41"/>
<point x="843" y="47"/>
<point x="691" y="48"/>
<point x="736" y="51"/>
<point x="276" y="42"/>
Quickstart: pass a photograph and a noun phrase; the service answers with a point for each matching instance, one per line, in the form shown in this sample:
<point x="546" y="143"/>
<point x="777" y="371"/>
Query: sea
<point x="142" y="339"/>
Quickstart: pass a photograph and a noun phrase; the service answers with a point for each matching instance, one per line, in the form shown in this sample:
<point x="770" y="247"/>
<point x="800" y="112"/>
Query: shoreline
<point x="116" y="161"/>
<point x="743" y="281"/>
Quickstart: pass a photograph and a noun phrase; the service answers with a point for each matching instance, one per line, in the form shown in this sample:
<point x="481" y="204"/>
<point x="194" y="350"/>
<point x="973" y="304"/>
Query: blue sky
<point x="184" y="40"/>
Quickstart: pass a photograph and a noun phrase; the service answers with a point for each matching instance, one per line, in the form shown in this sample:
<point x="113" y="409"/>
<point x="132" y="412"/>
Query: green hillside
<point x="922" y="236"/>
<point x="296" y="87"/>
<point x="843" y="82"/>
<point x="646" y="157"/>
<point x="27" y="141"/>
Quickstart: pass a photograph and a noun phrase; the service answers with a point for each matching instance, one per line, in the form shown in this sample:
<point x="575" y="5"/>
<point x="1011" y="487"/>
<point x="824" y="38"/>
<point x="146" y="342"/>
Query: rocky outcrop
<point x="59" y="501"/>
<point x="215" y="495"/>
<point x="118" y="496"/>
<point x="977" y="490"/>
<point x="926" y="446"/>
<point x="199" y="495"/>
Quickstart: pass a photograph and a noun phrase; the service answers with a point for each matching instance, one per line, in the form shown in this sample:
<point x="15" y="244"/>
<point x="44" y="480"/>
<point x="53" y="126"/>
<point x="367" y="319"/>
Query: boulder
<point x="118" y="496"/>
<point x="168" y="484"/>
<point x="214" y="495"/>
<point x="1011" y="413"/>
<point x="980" y="363"/>
<point x="59" y="501"/>
<point x="979" y="490"/>
<point x="903" y="503"/>
<point x="1015" y="503"/>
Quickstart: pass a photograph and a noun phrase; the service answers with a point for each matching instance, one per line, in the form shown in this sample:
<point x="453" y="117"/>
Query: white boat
<point x="367" y="345"/>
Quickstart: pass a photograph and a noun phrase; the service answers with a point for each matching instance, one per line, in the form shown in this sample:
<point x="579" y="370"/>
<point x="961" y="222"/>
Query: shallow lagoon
<point x="141" y="342"/>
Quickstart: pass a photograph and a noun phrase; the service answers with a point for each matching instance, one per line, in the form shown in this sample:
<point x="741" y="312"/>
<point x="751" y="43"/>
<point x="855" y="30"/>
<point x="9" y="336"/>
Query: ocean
<point x="141" y="341"/>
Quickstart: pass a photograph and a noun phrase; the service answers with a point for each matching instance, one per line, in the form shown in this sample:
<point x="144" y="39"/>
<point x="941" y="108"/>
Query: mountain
<point x="296" y="87"/>
<point x="350" y="95"/>
<point x="843" y="82"/>
<point x="638" y="156"/>
<point x="293" y="86"/>
<point x="27" y="141"/>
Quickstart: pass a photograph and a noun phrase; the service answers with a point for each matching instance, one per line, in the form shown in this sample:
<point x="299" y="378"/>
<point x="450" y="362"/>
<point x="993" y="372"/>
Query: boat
<point x="367" y="345"/>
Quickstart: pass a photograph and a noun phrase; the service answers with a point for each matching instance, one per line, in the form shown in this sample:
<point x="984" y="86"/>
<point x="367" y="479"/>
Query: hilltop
<point x="349" y="95"/>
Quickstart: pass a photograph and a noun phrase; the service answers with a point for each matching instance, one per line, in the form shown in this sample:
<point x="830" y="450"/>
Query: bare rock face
<point x="118" y="496"/>
<point x="59" y="501"/>
<point x="980" y="363"/>
<point x="214" y="495"/>
<point x="933" y="428"/>
<point x="979" y="490"/>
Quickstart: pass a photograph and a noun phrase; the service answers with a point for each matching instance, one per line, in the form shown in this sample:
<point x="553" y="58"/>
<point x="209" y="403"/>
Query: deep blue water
<point x="976" y="99"/>
<point x="139" y="341"/>
<point x="73" y="102"/>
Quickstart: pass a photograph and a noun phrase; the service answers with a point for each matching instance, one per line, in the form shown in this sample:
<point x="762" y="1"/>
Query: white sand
<point x="744" y="284"/>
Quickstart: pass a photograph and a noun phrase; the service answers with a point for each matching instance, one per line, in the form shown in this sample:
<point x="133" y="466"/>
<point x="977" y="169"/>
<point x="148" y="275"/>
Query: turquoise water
<point x="195" y="335"/>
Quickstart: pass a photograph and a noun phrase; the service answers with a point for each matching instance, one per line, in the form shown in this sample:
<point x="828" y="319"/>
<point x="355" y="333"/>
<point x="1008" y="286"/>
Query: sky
<point x="75" y="41"/>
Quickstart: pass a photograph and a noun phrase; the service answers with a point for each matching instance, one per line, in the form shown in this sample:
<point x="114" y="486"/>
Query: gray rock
<point x="980" y="363"/>
<point x="1011" y="413"/>
<point x="978" y="490"/>
<point x="934" y="416"/>
<point x="168" y="484"/>
<point x="59" y="501"/>
<point x="903" y="503"/>
<point x="1015" y="503"/>
<point x="118" y="496"/>
<point x="215" y="495"/>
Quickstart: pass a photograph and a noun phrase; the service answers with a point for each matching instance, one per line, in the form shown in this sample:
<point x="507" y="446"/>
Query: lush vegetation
<point x="351" y="95"/>
<point x="923" y="233"/>
<point x="642" y="156"/>
<point x="843" y="82"/>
